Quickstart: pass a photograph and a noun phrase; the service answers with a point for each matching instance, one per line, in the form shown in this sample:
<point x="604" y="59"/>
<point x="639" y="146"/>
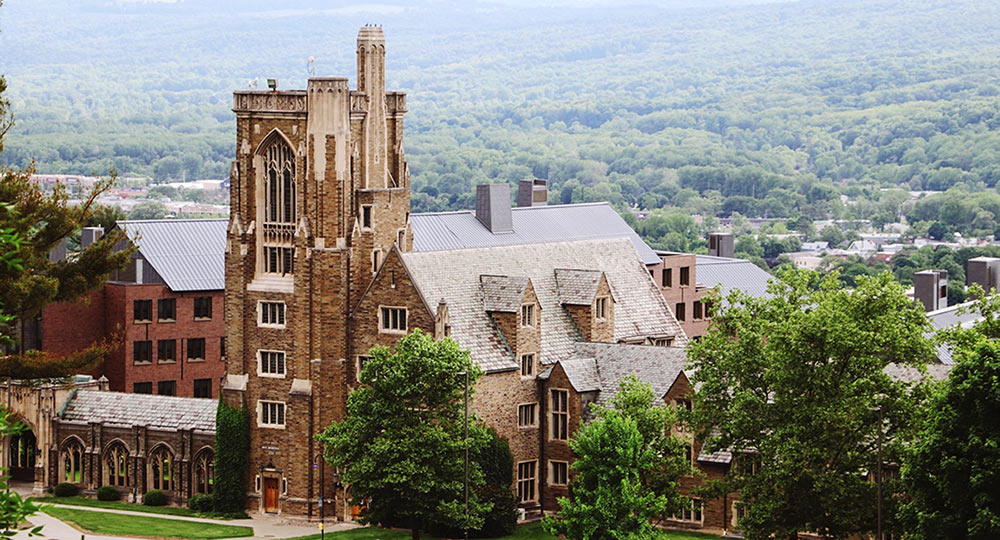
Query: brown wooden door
<point x="271" y="495"/>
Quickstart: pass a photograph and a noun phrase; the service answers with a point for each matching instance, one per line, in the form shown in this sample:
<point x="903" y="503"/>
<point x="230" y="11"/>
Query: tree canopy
<point x="402" y="444"/>
<point x="790" y="383"/>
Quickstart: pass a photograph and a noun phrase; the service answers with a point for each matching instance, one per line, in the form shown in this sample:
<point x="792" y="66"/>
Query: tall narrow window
<point x="526" y="481"/>
<point x="116" y="465"/>
<point x="279" y="212"/>
<point x="527" y="365"/>
<point x="668" y="278"/>
<point x="528" y="315"/>
<point x="160" y="469"/>
<point x="560" y="414"/>
<point x="601" y="308"/>
<point x="685" y="276"/>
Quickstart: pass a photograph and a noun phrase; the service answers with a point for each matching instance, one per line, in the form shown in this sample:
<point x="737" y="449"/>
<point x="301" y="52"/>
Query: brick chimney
<point x="985" y="271"/>
<point x="493" y="207"/>
<point x="89" y="235"/>
<point x="930" y="288"/>
<point x="532" y="192"/>
<point x="721" y="244"/>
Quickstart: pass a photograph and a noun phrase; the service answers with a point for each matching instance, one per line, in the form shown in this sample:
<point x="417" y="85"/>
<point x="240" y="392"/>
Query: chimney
<point x="58" y="253"/>
<point x="930" y="288"/>
<point x="493" y="207"/>
<point x="721" y="244"/>
<point x="985" y="271"/>
<point x="90" y="235"/>
<point x="532" y="192"/>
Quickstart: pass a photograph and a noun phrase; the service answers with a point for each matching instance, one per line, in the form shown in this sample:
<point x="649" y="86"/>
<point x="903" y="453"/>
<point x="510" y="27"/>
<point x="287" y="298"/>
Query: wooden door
<point x="271" y="495"/>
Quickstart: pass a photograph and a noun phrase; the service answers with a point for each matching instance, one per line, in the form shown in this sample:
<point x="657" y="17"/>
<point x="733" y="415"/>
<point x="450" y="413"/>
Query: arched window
<point x="279" y="174"/>
<point x="71" y="458"/>
<point x="161" y="468"/>
<point x="204" y="472"/>
<point x="276" y="184"/>
<point x="116" y="465"/>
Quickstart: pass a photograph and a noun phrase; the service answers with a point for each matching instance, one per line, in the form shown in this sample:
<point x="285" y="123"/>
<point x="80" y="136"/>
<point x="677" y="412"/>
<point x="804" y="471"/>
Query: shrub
<point x="201" y="503"/>
<point x="107" y="493"/>
<point x="154" y="497"/>
<point x="66" y="489"/>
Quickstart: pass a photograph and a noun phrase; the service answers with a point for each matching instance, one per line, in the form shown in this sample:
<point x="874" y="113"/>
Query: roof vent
<point x="493" y="207"/>
<point x="532" y="193"/>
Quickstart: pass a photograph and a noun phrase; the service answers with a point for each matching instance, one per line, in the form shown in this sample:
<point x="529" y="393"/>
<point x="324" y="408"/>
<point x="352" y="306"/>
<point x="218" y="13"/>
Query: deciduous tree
<point x="402" y="445"/>
<point x="791" y="381"/>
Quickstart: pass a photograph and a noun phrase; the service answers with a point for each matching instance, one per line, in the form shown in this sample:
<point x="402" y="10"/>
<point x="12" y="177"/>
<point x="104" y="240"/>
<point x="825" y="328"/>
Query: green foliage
<point x="951" y="471"/>
<point x="65" y="489"/>
<point x="232" y="445"/>
<point x="497" y="464"/>
<point x="148" y="210"/>
<point x="154" y="497"/>
<point x="108" y="493"/>
<point x="401" y="446"/>
<point x="791" y="382"/>
<point x="609" y="499"/>
<point x="199" y="502"/>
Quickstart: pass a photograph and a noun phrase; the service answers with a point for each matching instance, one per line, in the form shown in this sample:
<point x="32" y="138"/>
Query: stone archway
<point x="22" y="454"/>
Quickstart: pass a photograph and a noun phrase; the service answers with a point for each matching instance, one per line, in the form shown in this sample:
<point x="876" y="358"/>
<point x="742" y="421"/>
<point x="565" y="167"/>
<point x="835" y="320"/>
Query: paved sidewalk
<point x="264" y="526"/>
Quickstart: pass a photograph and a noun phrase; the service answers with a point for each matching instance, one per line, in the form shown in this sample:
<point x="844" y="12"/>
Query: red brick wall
<point x="68" y="327"/>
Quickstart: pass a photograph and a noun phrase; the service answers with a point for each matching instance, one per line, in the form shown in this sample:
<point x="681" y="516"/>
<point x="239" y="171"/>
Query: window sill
<point x="396" y="332"/>
<point x="527" y="428"/>
<point x="271" y="375"/>
<point x="164" y="321"/>
<point x="275" y="283"/>
<point x="195" y="360"/>
<point x="142" y="363"/>
<point x="273" y="326"/>
<point x="269" y="426"/>
<point x="142" y="321"/>
<point x="201" y="319"/>
<point x="166" y="361"/>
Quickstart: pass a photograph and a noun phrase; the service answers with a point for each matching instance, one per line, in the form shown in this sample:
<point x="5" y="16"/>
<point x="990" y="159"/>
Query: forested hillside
<point x="767" y="110"/>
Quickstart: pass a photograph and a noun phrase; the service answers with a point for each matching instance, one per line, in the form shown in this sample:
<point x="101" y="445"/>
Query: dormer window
<point x="601" y="308"/>
<point x="528" y="315"/>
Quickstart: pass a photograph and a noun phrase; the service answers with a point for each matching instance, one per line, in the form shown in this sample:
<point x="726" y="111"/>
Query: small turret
<point x="371" y="82"/>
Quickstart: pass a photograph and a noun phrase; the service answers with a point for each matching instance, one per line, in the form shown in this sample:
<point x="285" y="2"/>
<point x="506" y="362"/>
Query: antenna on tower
<point x="311" y="66"/>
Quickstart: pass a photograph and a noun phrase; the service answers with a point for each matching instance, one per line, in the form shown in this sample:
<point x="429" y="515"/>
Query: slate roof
<point x="658" y="366"/>
<point x="189" y="254"/>
<point x="581" y="372"/>
<point x="454" y="275"/>
<point x="731" y="274"/>
<point x="577" y="287"/>
<point x="164" y="412"/>
<point x="911" y="374"/>
<point x="441" y="231"/>
<point x="502" y="293"/>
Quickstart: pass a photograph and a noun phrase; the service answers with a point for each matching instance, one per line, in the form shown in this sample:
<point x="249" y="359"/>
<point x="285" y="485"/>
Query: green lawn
<point x="151" y="527"/>
<point x="118" y="505"/>
<point x="531" y="531"/>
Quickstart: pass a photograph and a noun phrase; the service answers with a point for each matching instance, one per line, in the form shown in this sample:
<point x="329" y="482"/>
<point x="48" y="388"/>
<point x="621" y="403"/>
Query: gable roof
<point x="577" y="287"/>
<point x="502" y="293"/>
<point x="441" y="231"/>
<point x="454" y="275"/>
<point x="731" y="274"/>
<point x="949" y="316"/>
<point x="164" y="412"/>
<point x="658" y="366"/>
<point x="189" y="254"/>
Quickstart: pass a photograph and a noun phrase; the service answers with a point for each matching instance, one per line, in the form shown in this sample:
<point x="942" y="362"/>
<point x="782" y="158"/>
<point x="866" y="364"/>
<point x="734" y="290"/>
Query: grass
<point x="149" y="527"/>
<point x="118" y="505"/>
<point x="530" y="531"/>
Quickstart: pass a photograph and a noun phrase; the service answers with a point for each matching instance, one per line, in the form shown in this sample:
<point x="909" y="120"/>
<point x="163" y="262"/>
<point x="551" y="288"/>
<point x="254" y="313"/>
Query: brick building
<point x="166" y="309"/>
<point x="321" y="266"/>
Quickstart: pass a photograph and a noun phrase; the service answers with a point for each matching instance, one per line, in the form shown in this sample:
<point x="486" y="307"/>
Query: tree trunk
<point x="415" y="529"/>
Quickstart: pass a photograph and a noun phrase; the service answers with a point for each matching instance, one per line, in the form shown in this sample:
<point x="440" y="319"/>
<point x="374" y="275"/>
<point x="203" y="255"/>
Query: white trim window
<point x="601" y="308"/>
<point x="527" y="315"/>
<point x="558" y="473"/>
<point x="271" y="414"/>
<point x="526" y="481"/>
<point x="271" y="363"/>
<point x="392" y="320"/>
<point x="376" y="260"/>
<point x="528" y="365"/>
<point x="526" y="416"/>
<point x="270" y="314"/>
<point x="693" y="512"/>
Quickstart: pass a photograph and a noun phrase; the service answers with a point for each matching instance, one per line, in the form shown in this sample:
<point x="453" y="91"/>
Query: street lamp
<point x="466" y="522"/>
<point x="878" y="474"/>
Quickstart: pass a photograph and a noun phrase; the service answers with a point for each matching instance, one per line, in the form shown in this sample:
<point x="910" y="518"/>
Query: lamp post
<point x="466" y="522"/>
<point x="878" y="476"/>
<point x="322" y="493"/>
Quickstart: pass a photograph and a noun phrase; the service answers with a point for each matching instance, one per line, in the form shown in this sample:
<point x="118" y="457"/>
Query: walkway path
<point x="264" y="526"/>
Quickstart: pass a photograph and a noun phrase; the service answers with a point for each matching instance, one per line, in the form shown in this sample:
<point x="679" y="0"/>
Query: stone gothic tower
<point x="320" y="194"/>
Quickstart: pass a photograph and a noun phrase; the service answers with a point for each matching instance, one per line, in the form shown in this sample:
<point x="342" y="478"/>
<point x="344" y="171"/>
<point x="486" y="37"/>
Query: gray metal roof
<point x="164" y="412"/>
<point x="454" y="275"/>
<point x="440" y="231"/>
<point x="731" y="274"/>
<point x="963" y="315"/>
<point x="189" y="254"/>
